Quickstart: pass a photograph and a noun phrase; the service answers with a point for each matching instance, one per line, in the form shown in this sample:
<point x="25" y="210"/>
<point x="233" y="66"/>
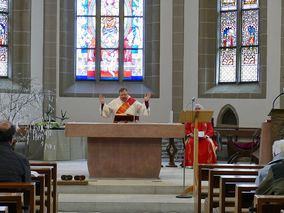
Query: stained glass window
<point x="133" y="64"/>
<point x="238" y="41"/>
<point x="101" y="53"/>
<point x="249" y="63"/>
<point x="86" y="7"/>
<point x="250" y="4"/>
<point x="4" y="6"/>
<point x="109" y="32"/>
<point x="109" y="64"/>
<point x="229" y="29"/>
<point x="250" y="27"/>
<point x="110" y="7"/>
<point x="86" y="32"/>
<point x="228" y="5"/>
<point x="228" y="65"/>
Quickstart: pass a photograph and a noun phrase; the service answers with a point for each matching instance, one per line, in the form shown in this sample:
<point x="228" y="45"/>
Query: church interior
<point x="59" y="57"/>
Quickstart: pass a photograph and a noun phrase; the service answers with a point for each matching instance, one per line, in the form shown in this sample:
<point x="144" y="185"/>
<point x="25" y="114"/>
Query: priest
<point x="125" y="108"/>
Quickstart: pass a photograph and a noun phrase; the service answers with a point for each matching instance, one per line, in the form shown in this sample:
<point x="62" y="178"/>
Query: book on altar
<point x="124" y="118"/>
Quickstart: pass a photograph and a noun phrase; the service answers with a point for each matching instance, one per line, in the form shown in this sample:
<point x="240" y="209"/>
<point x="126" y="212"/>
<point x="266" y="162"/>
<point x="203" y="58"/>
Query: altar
<point x="124" y="150"/>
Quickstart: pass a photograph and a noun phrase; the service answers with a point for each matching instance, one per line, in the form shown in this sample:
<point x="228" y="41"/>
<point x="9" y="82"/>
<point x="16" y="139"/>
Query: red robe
<point x="206" y="146"/>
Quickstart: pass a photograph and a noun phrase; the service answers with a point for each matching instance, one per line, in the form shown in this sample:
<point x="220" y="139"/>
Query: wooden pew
<point x="28" y="188"/>
<point x="263" y="203"/>
<point x="40" y="192"/>
<point x="241" y="191"/>
<point x="53" y="167"/>
<point x="227" y="188"/>
<point x="203" y="174"/>
<point x="47" y="172"/>
<point x="214" y="178"/>
<point x="268" y="203"/>
<point x="12" y="198"/>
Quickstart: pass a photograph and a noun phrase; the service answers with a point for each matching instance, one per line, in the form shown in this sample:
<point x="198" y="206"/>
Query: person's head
<point x="7" y="131"/>
<point x="123" y="94"/>
<point x="198" y="107"/>
<point x="278" y="147"/>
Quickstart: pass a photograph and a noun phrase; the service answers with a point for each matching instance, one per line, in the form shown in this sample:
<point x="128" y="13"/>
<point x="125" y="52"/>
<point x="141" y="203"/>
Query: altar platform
<point x="117" y="195"/>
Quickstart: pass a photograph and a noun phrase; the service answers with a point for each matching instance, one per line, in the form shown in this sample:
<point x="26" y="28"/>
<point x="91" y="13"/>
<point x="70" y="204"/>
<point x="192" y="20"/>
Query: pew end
<point x="268" y="203"/>
<point x="28" y="188"/>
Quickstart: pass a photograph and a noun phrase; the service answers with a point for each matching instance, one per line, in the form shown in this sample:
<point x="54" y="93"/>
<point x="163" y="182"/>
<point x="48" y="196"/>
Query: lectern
<point x="199" y="116"/>
<point x="124" y="150"/>
<point x="277" y="124"/>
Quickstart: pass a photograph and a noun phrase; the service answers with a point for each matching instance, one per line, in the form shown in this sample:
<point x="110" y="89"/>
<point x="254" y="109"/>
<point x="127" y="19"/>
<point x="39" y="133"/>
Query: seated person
<point x="14" y="167"/>
<point x="273" y="184"/>
<point x="206" y="147"/>
<point x="271" y="177"/>
<point x="278" y="157"/>
<point x="125" y="106"/>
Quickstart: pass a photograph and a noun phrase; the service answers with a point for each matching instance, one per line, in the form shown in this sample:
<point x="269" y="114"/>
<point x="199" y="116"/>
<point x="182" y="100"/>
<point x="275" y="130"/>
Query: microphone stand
<point x="184" y="195"/>
<point x="276" y="99"/>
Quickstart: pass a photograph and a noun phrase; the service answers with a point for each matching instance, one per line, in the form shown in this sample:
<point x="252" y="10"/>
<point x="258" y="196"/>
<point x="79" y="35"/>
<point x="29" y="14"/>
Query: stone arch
<point x="228" y="117"/>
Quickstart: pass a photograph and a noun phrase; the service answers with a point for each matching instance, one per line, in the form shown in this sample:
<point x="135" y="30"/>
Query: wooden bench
<point x="47" y="172"/>
<point x="244" y="196"/>
<point x="53" y="167"/>
<point x="227" y="188"/>
<point x="28" y="188"/>
<point x="236" y="137"/>
<point x="203" y="174"/>
<point x="268" y="203"/>
<point x="40" y="192"/>
<point x="214" y="179"/>
<point x="12" y="199"/>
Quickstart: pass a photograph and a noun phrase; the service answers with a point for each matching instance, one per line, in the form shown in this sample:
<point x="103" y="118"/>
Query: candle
<point x="171" y="116"/>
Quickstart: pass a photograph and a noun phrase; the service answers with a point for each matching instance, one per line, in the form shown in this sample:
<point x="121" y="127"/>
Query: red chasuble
<point x="206" y="146"/>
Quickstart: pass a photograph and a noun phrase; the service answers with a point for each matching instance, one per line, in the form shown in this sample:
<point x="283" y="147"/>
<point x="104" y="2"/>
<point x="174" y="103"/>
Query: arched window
<point x="4" y="49"/>
<point x="228" y="116"/>
<point x="238" y="54"/>
<point x="109" y="40"/>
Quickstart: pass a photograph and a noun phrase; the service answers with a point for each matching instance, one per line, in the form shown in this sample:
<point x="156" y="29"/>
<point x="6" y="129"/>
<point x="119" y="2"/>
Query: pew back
<point x="47" y="172"/>
<point x="12" y="199"/>
<point x="227" y="187"/>
<point x="271" y="203"/>
<point x="40" y="192"/>
<point x="53" y="167"/>
<point x="240" y="193"/>
<point x="203" y="174"/>
<point x="214" y="179"/>
<point x="28" y="188"/>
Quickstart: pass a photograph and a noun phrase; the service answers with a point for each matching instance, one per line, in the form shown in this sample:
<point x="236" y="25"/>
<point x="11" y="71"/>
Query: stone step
<point x="126" y="203"/>
<point x="121" y="187"/>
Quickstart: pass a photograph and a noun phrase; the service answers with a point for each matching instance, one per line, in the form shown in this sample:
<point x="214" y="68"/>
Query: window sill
<point x="235" y="91"/>
<point x="107" y="88"/>
<point x="7" y="85"/>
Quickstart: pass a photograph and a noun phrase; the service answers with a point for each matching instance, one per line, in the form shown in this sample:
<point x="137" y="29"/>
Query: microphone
<point x="192" y="101"/>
